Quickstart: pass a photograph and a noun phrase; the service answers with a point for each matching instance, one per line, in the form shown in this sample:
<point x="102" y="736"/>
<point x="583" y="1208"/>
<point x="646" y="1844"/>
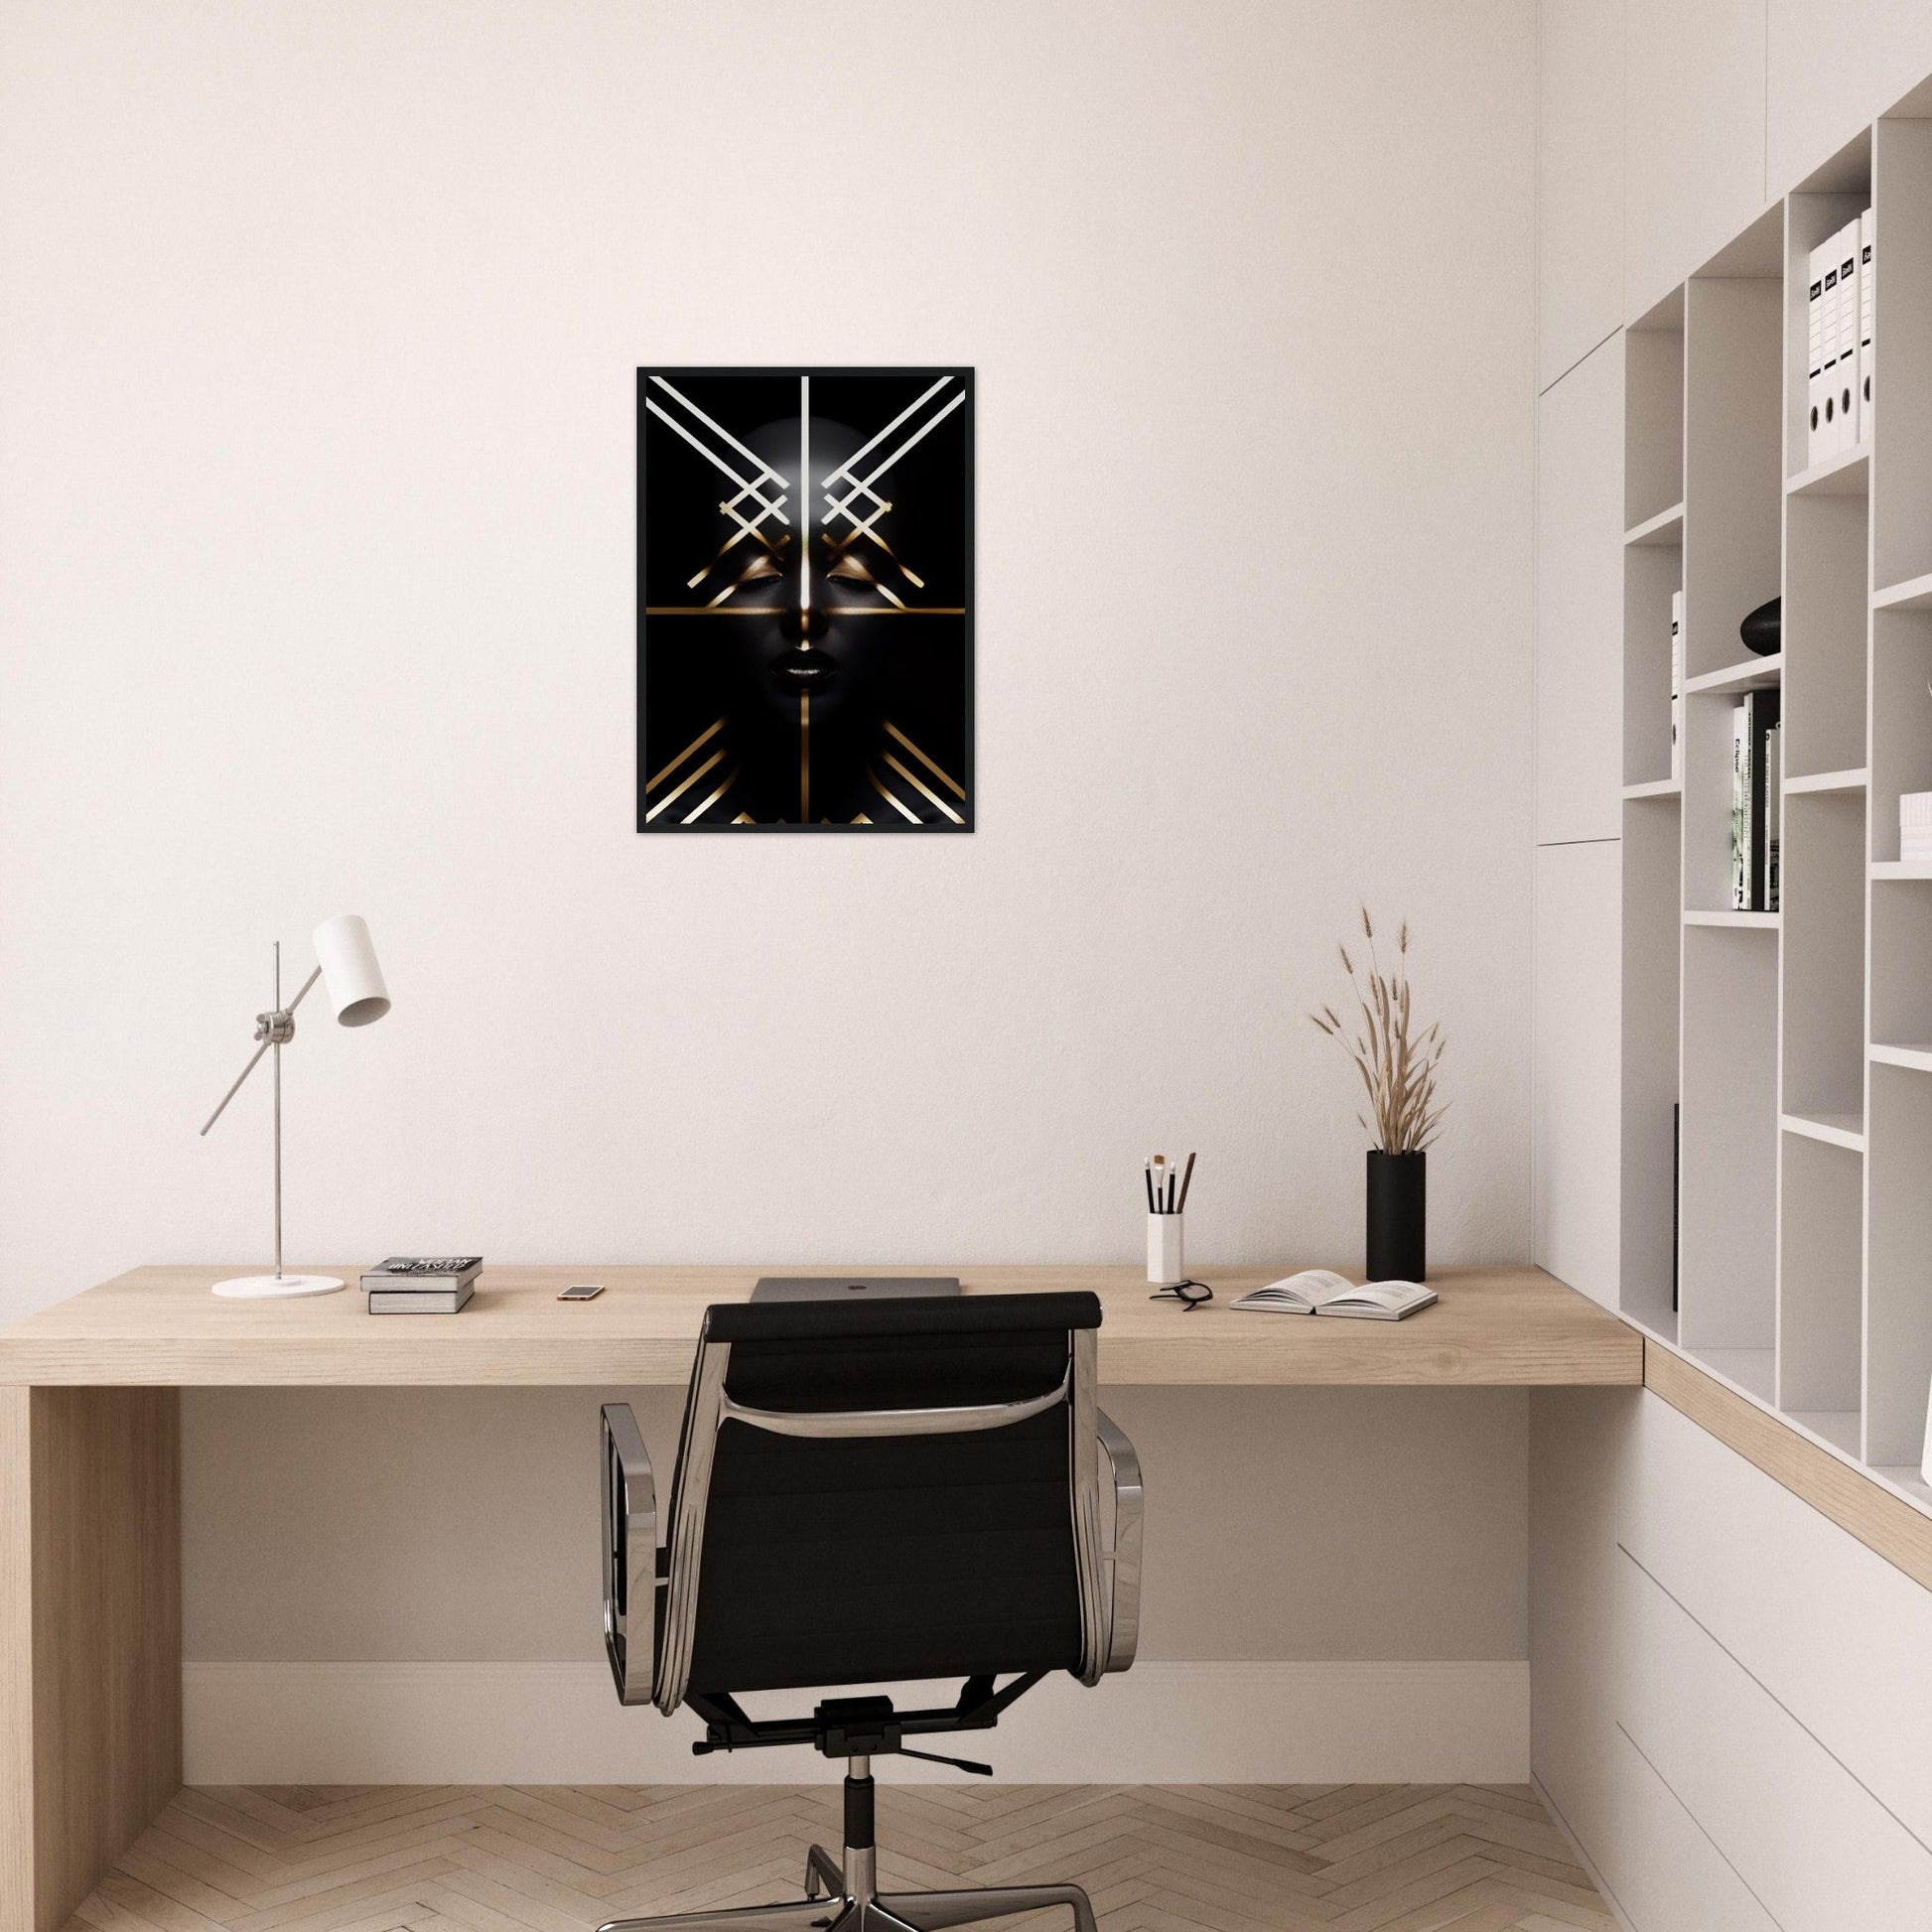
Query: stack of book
<point x="1754" y="803"/>
<point x="421" y="1284"/>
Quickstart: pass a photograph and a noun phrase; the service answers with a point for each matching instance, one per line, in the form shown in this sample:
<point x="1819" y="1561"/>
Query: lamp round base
<point x="275" y="1287"/>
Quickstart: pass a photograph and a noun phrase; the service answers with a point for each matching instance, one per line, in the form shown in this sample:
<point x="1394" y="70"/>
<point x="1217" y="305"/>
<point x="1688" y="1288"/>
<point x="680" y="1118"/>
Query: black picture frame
<point x="871" y="635"/>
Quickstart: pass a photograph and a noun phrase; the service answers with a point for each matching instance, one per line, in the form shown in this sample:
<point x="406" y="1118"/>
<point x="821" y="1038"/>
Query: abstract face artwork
<point x="804" y="593"/>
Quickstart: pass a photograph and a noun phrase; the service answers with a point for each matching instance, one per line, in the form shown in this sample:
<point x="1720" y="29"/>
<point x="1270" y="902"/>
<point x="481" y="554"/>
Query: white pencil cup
<point x="1165" y="1265"/>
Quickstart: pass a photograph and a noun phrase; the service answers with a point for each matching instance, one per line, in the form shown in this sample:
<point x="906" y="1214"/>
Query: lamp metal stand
<point x="273" y="1029"/>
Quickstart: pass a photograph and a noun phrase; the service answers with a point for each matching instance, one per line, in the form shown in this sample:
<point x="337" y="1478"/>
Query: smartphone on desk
<point x="582" y="1292"/>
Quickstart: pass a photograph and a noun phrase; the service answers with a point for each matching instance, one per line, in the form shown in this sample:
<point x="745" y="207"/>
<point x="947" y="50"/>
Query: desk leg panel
<point x="90" y="1637"/>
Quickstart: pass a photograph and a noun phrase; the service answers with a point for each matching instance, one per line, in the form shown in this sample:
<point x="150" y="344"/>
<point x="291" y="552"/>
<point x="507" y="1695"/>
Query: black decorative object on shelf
<point x="1763" y="630"/>
<point x="1398" y="1216"/>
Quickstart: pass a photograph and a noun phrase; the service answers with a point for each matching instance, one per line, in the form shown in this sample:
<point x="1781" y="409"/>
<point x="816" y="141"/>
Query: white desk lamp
<point x="345" y="965"/>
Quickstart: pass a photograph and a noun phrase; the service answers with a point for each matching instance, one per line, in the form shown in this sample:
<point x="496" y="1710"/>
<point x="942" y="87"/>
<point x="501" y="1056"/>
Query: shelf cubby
<point x="1734" y="475"/>
<point x="1902" y="401"/>
<point x="1652" y="854"/>
<point x="1728" y="1219"/>
<point x="1825" y="615"/>
<point x="1652" y="572"/>
<point x="1901" y="963"/>
<point x="1653" y="418"/>
<point x="1898" y="1292"/>
<point x="1822" y="916"/>
<point x="1837" y="194"/>
<point x="1820" y="1218"/>
<point x="1901" y="717"/>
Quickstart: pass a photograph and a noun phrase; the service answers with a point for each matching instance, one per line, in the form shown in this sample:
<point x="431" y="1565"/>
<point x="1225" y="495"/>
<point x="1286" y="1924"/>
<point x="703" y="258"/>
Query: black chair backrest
<point x="866" y="1557"/>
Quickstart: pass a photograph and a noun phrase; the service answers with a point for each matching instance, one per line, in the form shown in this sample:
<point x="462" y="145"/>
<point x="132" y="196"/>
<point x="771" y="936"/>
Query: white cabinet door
<point x="1815" y="1847"/>
<point x="1832" y="68"/>
<point x="1693" y="137"/>
<point x="1580" y="179"/>
<point x="1575" y="1111"/>
<point x="1578" y="752"/>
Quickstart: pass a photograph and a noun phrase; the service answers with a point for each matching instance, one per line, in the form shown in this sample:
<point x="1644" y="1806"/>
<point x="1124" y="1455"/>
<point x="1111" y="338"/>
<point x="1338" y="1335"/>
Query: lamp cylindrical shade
<point x="349" y="974"/>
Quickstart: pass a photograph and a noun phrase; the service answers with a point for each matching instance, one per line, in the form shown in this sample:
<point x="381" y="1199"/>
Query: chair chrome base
<point x="842" y="1900"/>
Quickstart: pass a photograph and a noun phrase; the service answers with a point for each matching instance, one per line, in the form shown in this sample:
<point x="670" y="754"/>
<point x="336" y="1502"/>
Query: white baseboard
<point x="561" y="1723"/>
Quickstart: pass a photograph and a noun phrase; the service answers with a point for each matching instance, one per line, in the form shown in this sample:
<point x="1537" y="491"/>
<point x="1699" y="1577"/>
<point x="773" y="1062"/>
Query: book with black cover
<point x="416" y="1273"/>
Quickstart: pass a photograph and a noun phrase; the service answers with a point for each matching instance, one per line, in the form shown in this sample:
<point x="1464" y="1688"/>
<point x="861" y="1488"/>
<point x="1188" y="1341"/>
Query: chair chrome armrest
<point x="629" y="1555"/>
<point x="1124" y="1558"/>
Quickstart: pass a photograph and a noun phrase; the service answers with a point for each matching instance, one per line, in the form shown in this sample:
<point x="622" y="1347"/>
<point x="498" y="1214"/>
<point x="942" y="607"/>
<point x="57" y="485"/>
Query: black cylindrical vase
<point x="1398" y="1216"/>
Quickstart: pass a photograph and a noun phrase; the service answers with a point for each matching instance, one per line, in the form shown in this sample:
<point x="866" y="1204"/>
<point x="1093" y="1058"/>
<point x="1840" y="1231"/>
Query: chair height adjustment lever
<point x="958" y="1764"/>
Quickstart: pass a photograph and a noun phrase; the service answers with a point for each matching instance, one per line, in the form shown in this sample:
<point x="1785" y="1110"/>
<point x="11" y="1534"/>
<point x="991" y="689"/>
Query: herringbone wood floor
<point x="557" y="1859"/>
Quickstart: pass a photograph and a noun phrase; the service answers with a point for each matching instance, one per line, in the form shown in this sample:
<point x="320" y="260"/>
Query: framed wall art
<point x="805" y="600"/>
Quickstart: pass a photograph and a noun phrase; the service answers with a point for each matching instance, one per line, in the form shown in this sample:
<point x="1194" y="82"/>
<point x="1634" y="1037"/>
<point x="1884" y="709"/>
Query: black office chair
<point x="866" y="1494"/>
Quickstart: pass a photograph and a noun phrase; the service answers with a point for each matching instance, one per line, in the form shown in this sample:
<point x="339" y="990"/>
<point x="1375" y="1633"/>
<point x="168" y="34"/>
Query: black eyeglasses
<point x="1190" y="1294"/>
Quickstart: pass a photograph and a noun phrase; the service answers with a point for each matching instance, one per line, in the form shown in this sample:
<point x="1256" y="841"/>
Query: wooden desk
<point x="89" y="1459"/>
<point x="161" y="1326"/>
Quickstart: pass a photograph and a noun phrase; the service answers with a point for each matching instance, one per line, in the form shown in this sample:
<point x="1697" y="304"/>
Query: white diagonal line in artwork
<point x="745" y="488"/>
<point x="918" y="436"/>
<point x="859" y="456"/>
<point x="765" y="469"/>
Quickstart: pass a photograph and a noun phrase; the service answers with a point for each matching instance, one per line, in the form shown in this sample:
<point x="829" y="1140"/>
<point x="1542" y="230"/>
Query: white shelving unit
<point x="1797" y="1043"/>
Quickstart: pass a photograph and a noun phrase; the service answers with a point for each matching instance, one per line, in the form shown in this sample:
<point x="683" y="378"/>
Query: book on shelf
<point x="1677" y="686"/>
<point x="1773" y="807"/>
<point x="1320" y="1291"/>
<point x="1846" y="388"/>
<point x="1815" y="355"/>
<point x="1753" y="818"/>
<point x="422" y="1274"/>
<point x="420" y="1301"/>
<point x="1867" y="301"/>
<point x="1676" y="1192"/>
<point x="1740" y="810"/>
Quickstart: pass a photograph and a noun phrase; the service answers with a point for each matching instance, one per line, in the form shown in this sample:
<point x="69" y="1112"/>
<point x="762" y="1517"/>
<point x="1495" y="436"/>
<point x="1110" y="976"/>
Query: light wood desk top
<point x="160" y="1326"/>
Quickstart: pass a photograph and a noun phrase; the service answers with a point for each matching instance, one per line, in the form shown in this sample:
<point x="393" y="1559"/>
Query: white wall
<point x="316" y="488"/>
<point x="316" y="439"/>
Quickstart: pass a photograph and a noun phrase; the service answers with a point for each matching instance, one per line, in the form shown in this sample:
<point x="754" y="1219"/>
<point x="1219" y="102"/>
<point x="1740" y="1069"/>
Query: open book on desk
<point x="1320" y="1291"/>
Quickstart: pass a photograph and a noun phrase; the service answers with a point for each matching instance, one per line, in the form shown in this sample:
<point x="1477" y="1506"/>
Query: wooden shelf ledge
<point x="1860" y="1500"/>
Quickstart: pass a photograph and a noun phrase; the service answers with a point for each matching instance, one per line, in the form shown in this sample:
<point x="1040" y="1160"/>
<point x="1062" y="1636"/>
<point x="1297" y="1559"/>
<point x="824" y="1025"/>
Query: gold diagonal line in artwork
<point x="710" y="730"/>
<point x="932" y="765"/>
<point x="671" y="797"/>
<point x="691" y="817"/>
<point x="926" y="791"/>
<point x="897" y="804"/>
